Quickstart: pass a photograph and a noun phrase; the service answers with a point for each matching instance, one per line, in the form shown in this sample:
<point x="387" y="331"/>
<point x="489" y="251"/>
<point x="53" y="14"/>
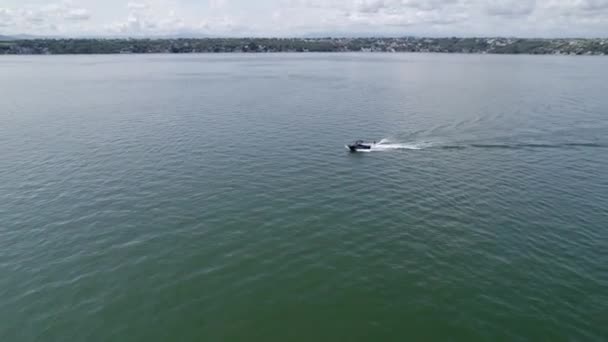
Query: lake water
<point x="210" y="198"/>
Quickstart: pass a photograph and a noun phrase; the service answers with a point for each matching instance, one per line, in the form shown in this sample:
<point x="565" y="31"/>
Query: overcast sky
<point x="525" y="18"/>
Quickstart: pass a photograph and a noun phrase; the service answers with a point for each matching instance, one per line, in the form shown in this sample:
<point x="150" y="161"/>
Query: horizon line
<point x="311" y="36"/>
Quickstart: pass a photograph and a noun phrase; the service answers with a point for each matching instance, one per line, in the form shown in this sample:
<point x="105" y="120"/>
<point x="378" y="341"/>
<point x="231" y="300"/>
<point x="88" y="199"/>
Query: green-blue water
<point x="210" y="198"/>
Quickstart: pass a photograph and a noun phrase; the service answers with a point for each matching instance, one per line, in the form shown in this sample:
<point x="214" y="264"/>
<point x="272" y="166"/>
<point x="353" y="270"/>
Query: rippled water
<point x="210" y="197"/>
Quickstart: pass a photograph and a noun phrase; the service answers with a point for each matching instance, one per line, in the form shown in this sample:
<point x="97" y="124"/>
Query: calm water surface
<point x="210" y="198"/>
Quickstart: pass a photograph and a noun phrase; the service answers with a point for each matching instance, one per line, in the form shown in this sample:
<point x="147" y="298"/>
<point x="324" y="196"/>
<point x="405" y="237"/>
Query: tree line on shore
<point x="218" y="45"/>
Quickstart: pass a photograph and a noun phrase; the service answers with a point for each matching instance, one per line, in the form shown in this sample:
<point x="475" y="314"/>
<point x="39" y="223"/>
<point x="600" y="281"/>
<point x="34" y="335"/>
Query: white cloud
<point x="146" y="19"/>
<point x="5" y="14"/>
<point x="137" y="6"/>
<point x="217" y="4"/>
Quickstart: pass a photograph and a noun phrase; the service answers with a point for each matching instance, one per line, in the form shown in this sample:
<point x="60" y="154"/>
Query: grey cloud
<point x="134" y="25"/>
<point x="593" y="5"/>
<point x="510" y="7"/>
<point x="6" y="18"/>
<point x="396" y="6"/>
<point x="373" y="6"/>
<point x="429" y="5"/>
<point x="44" y="15"/>
<point x="33" y="18"/>
<point x="409" y="13"/>
<point x="145" y="20"/>
<point x="77" y="14"/>
<point x="548" y="18"/>
<point x="320" y="4"/>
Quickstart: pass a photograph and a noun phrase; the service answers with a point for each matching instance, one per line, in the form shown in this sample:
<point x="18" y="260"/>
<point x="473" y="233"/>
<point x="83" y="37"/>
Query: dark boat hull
<point x="359" y="147"/>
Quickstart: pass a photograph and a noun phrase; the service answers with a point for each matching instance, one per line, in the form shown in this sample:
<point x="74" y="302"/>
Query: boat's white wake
<point x="386" y="144"/>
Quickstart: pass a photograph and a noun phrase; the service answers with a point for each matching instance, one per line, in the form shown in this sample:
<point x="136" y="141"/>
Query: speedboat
<point x="360" y="145"/>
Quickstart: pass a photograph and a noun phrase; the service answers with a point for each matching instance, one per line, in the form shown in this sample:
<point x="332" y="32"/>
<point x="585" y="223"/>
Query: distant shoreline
<point x="529" y="46"/>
